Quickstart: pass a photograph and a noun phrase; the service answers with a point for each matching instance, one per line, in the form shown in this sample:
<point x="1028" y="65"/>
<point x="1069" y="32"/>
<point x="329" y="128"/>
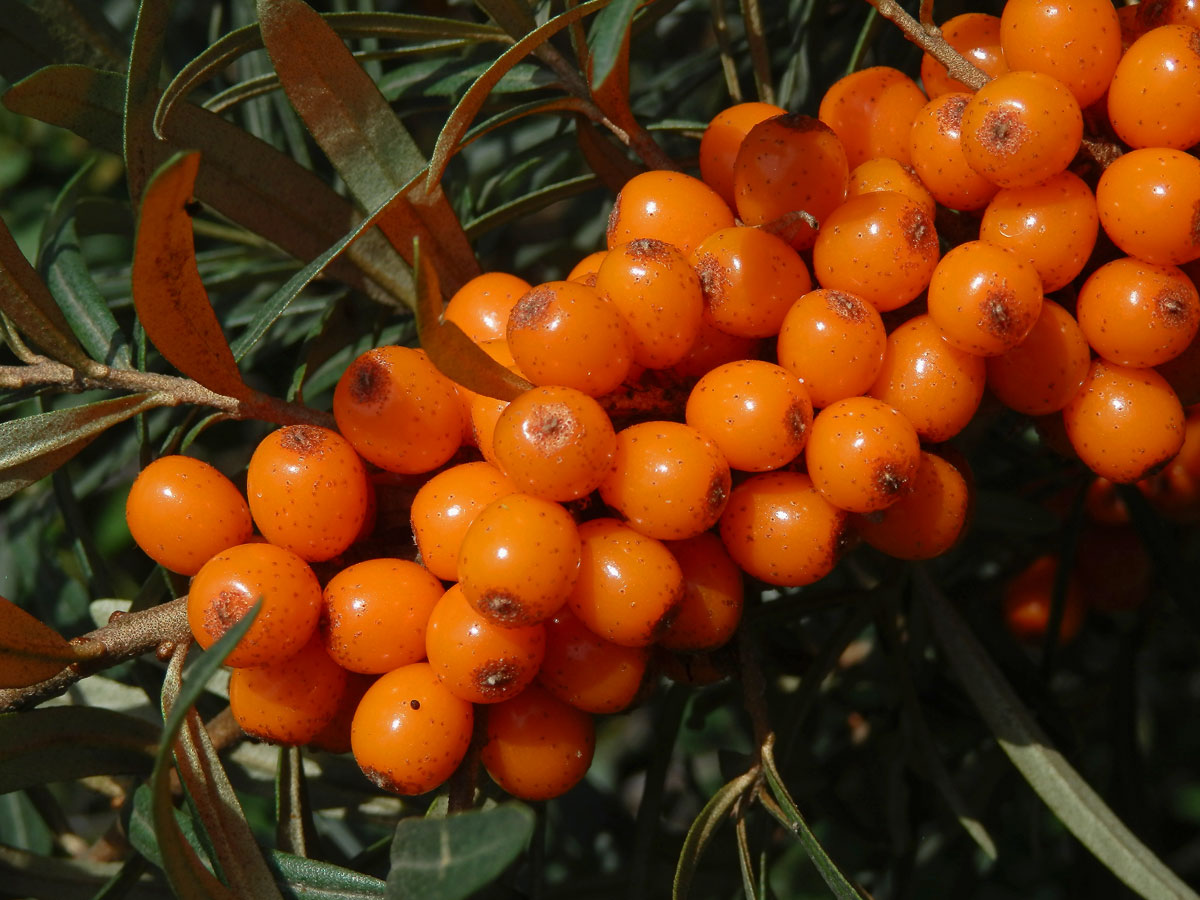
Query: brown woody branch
<point x="929" y="38"/>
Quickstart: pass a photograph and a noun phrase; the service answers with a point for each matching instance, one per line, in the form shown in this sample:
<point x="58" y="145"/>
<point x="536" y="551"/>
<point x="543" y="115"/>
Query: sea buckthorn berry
<point x="750" y="277"/>
<point x="483" y="411"/>
<point x="927" y="519"/>
<point x="1175" y="491"/>
<point x="935" y="385"/>
<point x="446" y="505"/>
<point x="308" y="490"/>
<point x="587" y="671"/>
<point x="182" y="511"/>
<point x="1021" y="128"/>
<point x="555" y="442"/>
<point x="230" y="583"/>
<point x="667" y="206"/>
<point x="1183" y="373"/>
<point x="833" y="341"/>
<point x="937" y="155"/>
<point x="373" y="614"/>
<point x="711" y="608"/>
<point x="1079" y="43"/>
<point x="786" y="165"/>
<point x="398" y="411"/>
<point x="1154" y="98"/>
<point x="658" y="294"/>
<point x="976" y="36"/>
<point x="1052" y="225"/>
<point x="567" y="333"/>
<point x="721" y="139"/>
<point x="1029" y="598"/>
<point x="1137" y="314"/>
<point x="476" y="659"/>
<point x="334" y="736"/>
<point x="670" y="481"/>
<point x="629" y="584"/>
<point x="758" y="413"/>
<point x="481" y="306"/>
<point x="871" y="111"/>
<point x="984" y="297"/>
<point x="519" y="559"/>
<point x="1041" y="374"/>
<point x="1155" y="13"/>
<point x="780" y="529"/>
<point x="881" y="247"/>
<point x="587" y="267"/>
<point x="713" y="348"/>
<point x="693" y="669"/>
<point x="409" y="732"/>
<point x="862" y="454"/>
<point x="290" y="701"/>
<point x="1149" y="204"/>
<point x="883" y="173"/>
<point x="1123" y="422"/>
<point x="538" y="747"/>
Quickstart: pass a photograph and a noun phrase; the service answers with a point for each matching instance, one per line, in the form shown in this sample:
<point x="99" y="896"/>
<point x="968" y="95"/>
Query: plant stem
<point x="929" y="38"/>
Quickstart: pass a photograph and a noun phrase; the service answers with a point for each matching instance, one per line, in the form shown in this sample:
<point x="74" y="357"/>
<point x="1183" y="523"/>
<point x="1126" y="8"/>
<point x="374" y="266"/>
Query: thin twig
<point x="931" y="41"/>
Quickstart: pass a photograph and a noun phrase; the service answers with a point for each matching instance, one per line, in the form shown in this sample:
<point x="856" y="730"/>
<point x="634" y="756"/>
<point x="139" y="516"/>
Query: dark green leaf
<point x="702" y="830"/>
<point x="514" y="16"/>
<point x="293" y="818"/>
<point x="450" y="858"/>
<point x="530" y="203"/>
<point x="142" y="93"/>
<point x="59" y="878"/>
<point x="608" y="41"/>
<point x="304" y="878"/>
<point x="141" y="827"/>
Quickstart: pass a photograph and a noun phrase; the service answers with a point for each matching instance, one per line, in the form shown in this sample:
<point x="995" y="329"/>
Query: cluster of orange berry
<point x="796" y="304"/>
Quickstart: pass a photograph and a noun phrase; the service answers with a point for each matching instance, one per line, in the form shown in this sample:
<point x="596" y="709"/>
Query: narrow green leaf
<point x="26" y="874"/>
<point x="293" y="819"/>
<point x="141" y="94"/>
<point x="530" y="203"/>
<point x="25" y="42"/>
<point x="30" y="650"/>
<point x="514" y="16"/>
<point x="760" y="54"/>
<point x="84" y="100"/>
<point x="33" y="447"/>
<point x="311" y="878"/>
<point x="701" y="832"/>
<point x="141" y="827"/>
<point x="608" y="43"/>
<point x="64" y="743"/>
<point x="1061" y="788"/>
<point x="452" y="857"/>
<point x="746" y="861"/>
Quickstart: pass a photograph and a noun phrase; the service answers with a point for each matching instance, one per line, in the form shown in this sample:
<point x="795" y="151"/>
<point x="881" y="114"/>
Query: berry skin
<point x="711" y="608"/>
<point x="883" y="173"/>
<point x="477" y="660"/>
<point x="1028" y="601"/>
<point x="881" y="246"/>
<point x="758" y="413"/>
<point x="833" y="341"/>
<point x="871" y="111"/>
<point x="862" y="454"/>
<point x="667" y="206"/>
<point x="373" y="614"/>
<point x="1137" y="314"/>
<point x="538" y="747"/>
<point x="308" y="491"/>
<point x="290" y="701"/>
<point x="629" y="584"/>
<point x="1149" y="204"/>
<point x="519" y="560"/>
<point x="586" y="670"/>
<point x="977" y="37"/>
<point x="482" y="411"/>
<point x="670" y="481"/>
<point x="985" y="298"/>
<point x="446" y="505"/>
<point x="182" y="512"/>
<point x="334" y="737"/>
<point x="938" y="157"/>
<point x="1154" y="98"/>
<point x="481" y="306"/>
<point x="1041" y="374"/>
<point x="927" y="519"/>
<point x="587" y="268"/>
<point x="713" y="348"/>
<point x="409" y="732"/>
<point x="780" y="529"/>
<point x="1124" y="423"/>
<point x="230" y="583"/>
<point x="398" y="411"/>
<point x="721" y="139"/>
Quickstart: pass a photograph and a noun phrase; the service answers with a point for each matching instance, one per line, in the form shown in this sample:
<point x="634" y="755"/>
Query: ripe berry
<point x="1028" y="600"/>
<point x="721" y="139"/>
<point x="928" y="518"/>
<point x="937" y="155"/>
<point x="713" y="348"/>
<point x="882" y="173"/>
<point x="976" y="36"/>
<point x="871" y="111"/>
<point x="481" y="306"/>
<point x="1042" y="373"/>
<point x="1154" y="98"/>
<point x="667" y="206"/>
<point x="713" y="597"/>
<point x="587" y="671"/>
<point x="334" y="736"/>
<point x="1148" y="202"/>
<point x="182" y="512"/>
<point x="446" y="505"/>
<point x="585" y="270"/>
<point x="290" y="701"/>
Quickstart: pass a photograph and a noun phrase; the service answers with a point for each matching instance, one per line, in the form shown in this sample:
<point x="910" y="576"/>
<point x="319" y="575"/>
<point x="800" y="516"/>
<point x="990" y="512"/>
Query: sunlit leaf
<point x="30" y="650"/>
<point x="141" y="94"/>
<point x="701" y="832"/>
<point x="608" y="59"/>
<point x="452" y="857"/>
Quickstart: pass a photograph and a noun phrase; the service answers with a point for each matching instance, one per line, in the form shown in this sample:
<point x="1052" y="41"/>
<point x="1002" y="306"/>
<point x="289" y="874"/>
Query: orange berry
<point x="587" y="267"/>
<point x="938" y="157"/>
<point x="1175" y="491"/>
<point x="881" y="247"/>
<point x="1154" y="13"/>
<point x="1137" y="314"/>
<point x="1042" y="373"/>
<point x="334" y="736"/>
<point x="629" y="584"/>
<point x="538" y="747"/>
<point x="714" y="347"/>
<point x="398" y="411"/>
<point x="476" y="659"/>
<point x="1124" y="422"/>
<point x="1028" y="601"/>
<point x="786" y="165"/>
<point x="481" y="306"/>
<point x="587" y="671"/>
<point x="713" y="597"/>
<point x="833" y="341"/>
<point x="780" y="529"/>
<point x="290" y="701"/>
<point x="667" y="206"/>
<point x="927" y="519"/>
<point x="308" y="491"/>
<point x="721" y="139"/>
<point x="373" y="614"/>
<point x="1154" y="98"/>
<point x="750" y="277"/>
<point x="670" y="481"/>
<point x="871" y="111"/>
<point x="482" y="411"/>
<point x="934" y="384"/>
<point x="1148" y="201"/>
<point x="182" y="512"/>
<point x="569" y="334"/>
<point x="976" y="36"/>
<point x="446" y="505"/>
<point x="230" y="583"/>
<point x="882" y="173"/>
<point x="409" y="732"/>
<point x="1183" y="372"/>
<point x="984" y="297"/>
